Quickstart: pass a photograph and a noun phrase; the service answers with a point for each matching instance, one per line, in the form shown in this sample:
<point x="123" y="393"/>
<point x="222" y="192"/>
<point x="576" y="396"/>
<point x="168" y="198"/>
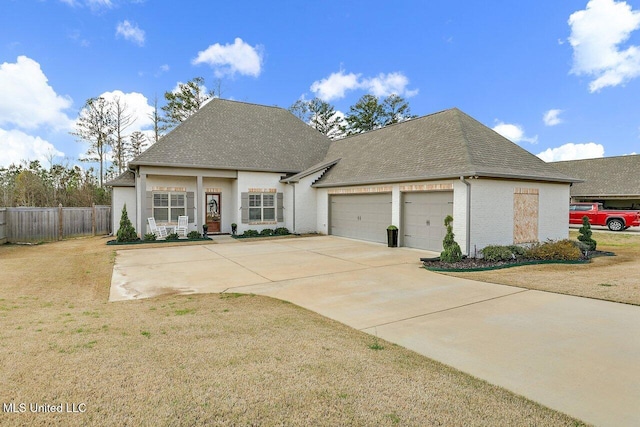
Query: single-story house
<point x="261" y="167"/>
<point x="613" y="181"/>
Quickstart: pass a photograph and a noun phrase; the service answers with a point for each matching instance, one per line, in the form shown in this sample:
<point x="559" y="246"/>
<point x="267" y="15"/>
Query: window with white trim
<point x="262" y="207"/>
<point x="167" y="206"/>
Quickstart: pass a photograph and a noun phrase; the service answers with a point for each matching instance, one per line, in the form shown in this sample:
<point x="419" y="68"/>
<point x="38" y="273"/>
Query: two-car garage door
<point x="361" y="216"/>
<point x="366" y="217"/>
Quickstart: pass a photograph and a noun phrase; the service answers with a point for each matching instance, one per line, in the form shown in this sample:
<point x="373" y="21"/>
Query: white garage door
<point x="361" y="216"/>
<point x="423" y="217"/>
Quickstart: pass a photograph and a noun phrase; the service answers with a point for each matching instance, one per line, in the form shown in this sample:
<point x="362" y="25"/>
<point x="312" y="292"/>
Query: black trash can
<point x="392" y="236"/>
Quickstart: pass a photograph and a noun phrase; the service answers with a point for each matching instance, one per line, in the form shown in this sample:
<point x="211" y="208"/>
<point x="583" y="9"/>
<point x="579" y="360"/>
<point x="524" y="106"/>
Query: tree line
<point x="104" y="125"/>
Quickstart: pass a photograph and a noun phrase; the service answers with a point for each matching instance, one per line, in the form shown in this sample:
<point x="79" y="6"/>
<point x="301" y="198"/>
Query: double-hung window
<point x="262" y="207"/>
<point x="168" y="206"/>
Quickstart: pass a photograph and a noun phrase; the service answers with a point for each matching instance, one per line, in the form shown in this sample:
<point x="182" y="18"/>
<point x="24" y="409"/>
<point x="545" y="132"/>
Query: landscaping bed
<point x="144" y="242"/>
<point x="477" y="264"/>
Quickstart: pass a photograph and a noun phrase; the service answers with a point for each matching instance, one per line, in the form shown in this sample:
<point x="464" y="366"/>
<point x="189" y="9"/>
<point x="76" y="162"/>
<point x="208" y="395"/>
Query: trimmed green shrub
<point x="497" y="253"/>
<point x="585" y="234"/>
<point x="126" y="232"/>
<point x="452" y="251"/>
<point x="193" y="235"/>
<point x="149" y="237"/>
<point x="266" y="232"/>
<point x="518" y="251"/>
<point x="281" y="231"/>
<point x="555" y="250"/>
<point x="250" y="233"/>
<point x="392" y="227"/>
<point x="172" y="236"/>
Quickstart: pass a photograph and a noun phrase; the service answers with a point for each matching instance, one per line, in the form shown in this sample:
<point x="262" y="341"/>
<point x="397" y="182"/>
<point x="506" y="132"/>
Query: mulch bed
<point x="479" y="264"/>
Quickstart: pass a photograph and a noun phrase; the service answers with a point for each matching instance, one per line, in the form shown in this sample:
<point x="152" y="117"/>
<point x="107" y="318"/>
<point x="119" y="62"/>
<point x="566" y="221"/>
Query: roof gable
<point x="442" y="145"/>
<point x="236" y="135"/>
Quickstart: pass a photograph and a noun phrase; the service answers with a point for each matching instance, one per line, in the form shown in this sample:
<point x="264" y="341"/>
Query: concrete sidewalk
<point x="575" y="355"/>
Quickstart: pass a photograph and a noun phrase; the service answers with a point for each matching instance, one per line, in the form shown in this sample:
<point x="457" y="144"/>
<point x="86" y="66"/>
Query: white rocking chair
<point x="183" y="225"/>
<point x="159" y="230"/>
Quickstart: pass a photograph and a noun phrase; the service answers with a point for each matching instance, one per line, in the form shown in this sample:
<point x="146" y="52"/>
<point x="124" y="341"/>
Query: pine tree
<point x="126" y="232"/>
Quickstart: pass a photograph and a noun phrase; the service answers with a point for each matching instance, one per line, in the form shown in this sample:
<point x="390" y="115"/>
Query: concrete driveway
<point x="575" y="355"/>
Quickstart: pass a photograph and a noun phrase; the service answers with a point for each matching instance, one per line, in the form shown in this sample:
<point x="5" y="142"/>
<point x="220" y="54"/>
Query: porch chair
<point x="183" y="225"/>
<point x="159" y="230"/>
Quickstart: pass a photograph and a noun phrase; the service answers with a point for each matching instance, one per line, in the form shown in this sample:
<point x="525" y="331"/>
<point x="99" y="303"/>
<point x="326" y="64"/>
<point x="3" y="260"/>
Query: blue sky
<point x="560" y="78"/>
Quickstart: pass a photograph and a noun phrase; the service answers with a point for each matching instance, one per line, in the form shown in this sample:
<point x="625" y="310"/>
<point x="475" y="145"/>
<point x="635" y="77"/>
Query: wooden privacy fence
<point x="46" y="224"/>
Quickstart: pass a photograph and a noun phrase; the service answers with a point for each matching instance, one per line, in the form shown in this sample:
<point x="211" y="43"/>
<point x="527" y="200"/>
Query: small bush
<point x="518" y="251"/>
<point x="452" y="251"/>
<point x="149" y="237"/>
<point x="497" y="253"/>
<point x="193" y="235"/>
<point x="250" y="233"/>
<point x="585" y="234"/>
<point x="266" y="232"/>
<point x="126" y="232"/>
<point x="281" y="231"/>
<point x="559" y="250"/>
<point x="173" y="236"/>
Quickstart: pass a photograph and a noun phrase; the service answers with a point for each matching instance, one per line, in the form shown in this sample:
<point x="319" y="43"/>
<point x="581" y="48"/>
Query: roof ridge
<point x="597" y="158"/>
<point x="246" y="103"/>
<point x="398" y="123"/>
<point x="467" y="145"/>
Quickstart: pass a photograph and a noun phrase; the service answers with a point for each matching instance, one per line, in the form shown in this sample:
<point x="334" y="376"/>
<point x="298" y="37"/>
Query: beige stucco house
<point x="261" y="167"/>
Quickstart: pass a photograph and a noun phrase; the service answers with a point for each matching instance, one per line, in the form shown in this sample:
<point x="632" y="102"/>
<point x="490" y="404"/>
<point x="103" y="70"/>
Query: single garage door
<point x="360" y="216"/>
<point x="423" y="217"/>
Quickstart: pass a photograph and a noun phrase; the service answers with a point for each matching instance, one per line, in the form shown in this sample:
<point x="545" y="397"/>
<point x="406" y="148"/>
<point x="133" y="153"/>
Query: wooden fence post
<point x="60" y="223"/>
<point x="93" y="219"/>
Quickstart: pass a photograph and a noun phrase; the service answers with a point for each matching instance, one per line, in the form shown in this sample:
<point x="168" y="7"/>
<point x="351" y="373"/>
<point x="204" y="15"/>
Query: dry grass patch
<point x="609" y="278"/>
<point x="211" y="359"/>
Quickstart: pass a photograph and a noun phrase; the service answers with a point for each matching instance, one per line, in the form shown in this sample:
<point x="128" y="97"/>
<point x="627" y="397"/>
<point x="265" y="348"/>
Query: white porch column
<point x="200" y="211"/>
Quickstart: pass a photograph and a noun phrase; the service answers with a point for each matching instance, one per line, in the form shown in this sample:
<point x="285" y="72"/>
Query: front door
<point x="212" y="207"/>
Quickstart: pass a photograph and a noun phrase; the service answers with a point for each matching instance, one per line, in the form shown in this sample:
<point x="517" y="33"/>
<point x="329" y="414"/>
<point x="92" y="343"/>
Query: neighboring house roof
<point x="604" y="177"/>
<point x="239" y="136"/>
<point x="125" y="179"/>
<point x="447" y="144"/>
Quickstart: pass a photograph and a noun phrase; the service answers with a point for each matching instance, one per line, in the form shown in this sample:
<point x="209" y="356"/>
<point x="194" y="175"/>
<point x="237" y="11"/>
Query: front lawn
<point x="211" y="359"/>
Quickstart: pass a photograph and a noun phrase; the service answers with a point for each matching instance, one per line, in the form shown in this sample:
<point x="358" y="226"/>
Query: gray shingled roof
<point x="447" y="144"/>
<point x="604" y="177"/>
<point x="236" y="135"/>
<point x="125" y="179"/>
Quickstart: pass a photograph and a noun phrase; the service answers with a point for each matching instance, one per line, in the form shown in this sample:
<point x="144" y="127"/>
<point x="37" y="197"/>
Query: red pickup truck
<point x="616" y="220"/>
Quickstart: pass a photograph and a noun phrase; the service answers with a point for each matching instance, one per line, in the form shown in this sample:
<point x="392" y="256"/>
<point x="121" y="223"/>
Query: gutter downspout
<point x="468" y="184"/>
<point x="294" y="207"/>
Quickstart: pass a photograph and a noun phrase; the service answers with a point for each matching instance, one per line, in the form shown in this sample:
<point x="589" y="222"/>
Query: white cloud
<point x="27" y="100"/>
<point x="94" y="5"/>
<point x="596" y="35"/>
<point x="230" y="59"/>
<point x="572" y="151"/>
<point x="552" y="117"/>
<point x="16" y="146"/>
<point x="130" y="32"/>
<point x="387" y="84"/>
<point x="514" y="133"/>
<point x="337" y="84"/>
<point x="137" y="105"/>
